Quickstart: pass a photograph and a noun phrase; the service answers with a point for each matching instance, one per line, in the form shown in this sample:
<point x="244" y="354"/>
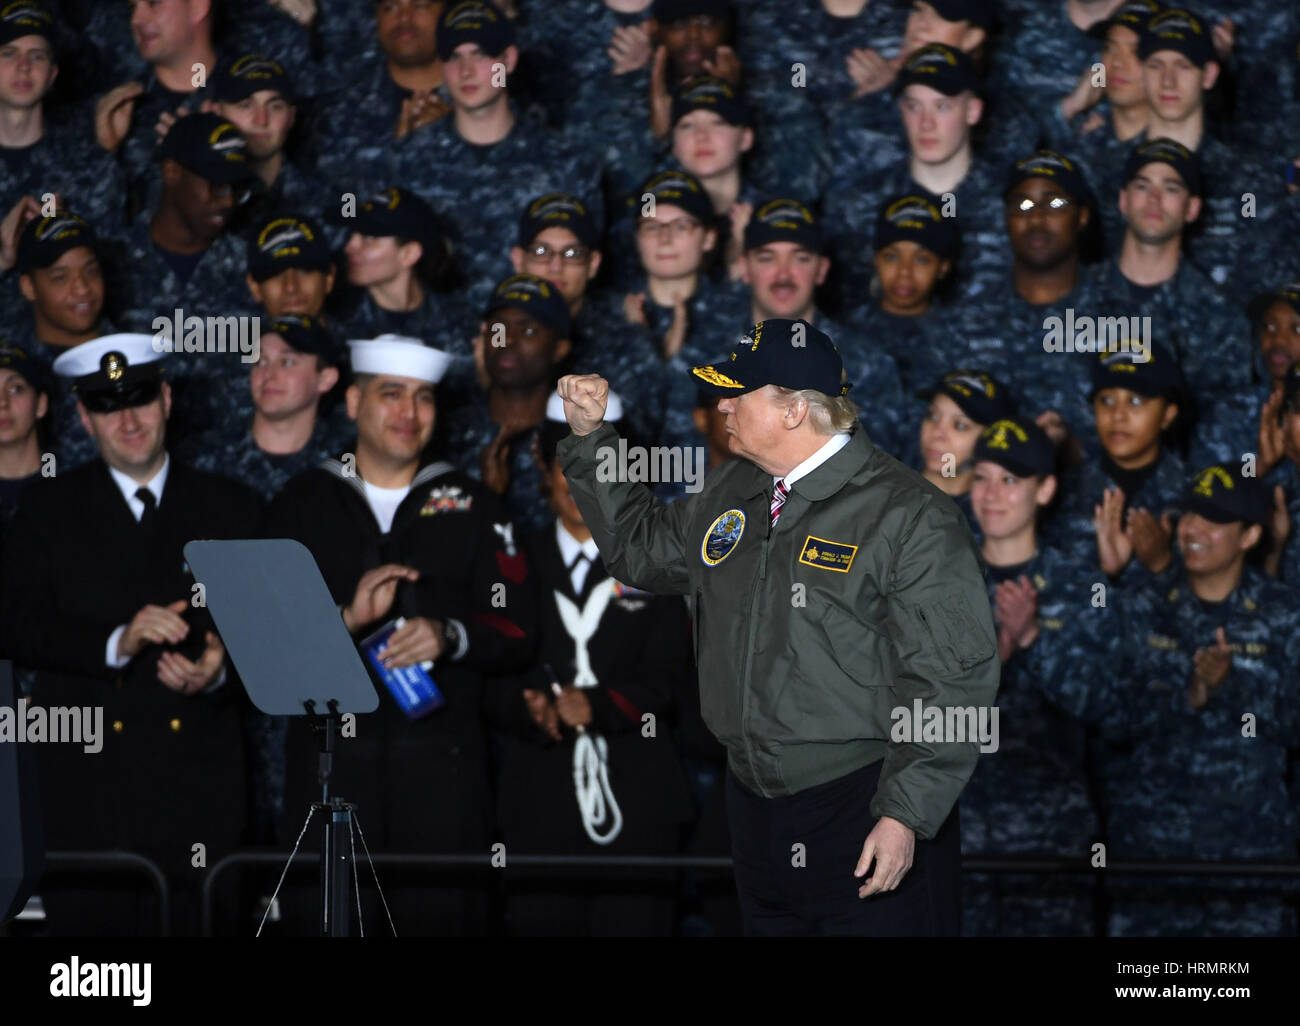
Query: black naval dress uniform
<point x="421" y="786"/>
<point x="171" y="775"/>
<point x="639" y="651"/>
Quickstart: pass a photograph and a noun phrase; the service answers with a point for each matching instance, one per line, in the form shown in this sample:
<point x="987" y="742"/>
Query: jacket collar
<point x="827" y="479"/>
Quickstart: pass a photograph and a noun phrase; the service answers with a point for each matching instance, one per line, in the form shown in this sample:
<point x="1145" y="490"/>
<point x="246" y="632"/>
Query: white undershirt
<point x="384" y="503"/>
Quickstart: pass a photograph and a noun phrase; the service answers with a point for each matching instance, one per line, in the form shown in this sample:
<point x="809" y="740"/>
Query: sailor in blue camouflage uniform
<point x="1282" y="560"/>
<point x="915" y="247"/>
<point x="559" y="241"/>
<point x="399" y="265"/>
<point x="290" y="264"/>
<point x="1151" y="276"/>
<point x="937" y="88"/>
<point x="1048" y="208"/>
<point x="39" y="156"/>
<point x="1242" y="196"/>
<point x="1135" y="398"/>
<point x="60" y="271"/>
<point x="611" y="115"/>
<point x="784" y="264"/>
<point x="489" y="436"/>
<point x="381" y="101"/>
<point x="480" y="165"/>
<point x="1213" y="654"/>
<point x="1029" y="796"/>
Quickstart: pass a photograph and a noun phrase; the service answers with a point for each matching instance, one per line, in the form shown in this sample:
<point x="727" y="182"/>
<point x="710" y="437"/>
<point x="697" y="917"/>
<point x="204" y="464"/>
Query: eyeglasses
<point x="1025" y="206"/>
<point x="678" y="228"/>
<point x="569" y="254"/>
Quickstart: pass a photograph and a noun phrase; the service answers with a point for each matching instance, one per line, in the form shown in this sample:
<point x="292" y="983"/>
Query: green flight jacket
<point x="812" y="637"/>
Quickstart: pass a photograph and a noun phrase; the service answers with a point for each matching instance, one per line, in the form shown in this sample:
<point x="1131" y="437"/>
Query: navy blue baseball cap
<point x="1224" y="495"/>
<point x="1053" y="166"/>
<point x="1153" y="373"/>
<point x="209" y="146"/>
<point x="783" y="220"/>
<point x="1017" y="445"/>
<point x="708" y="92"/>
<point x="474" y="21"/>
<point x="665" y="12"/>
<point x="535" y="296"/>
<point x="286" y="241"/>
<point x="558" y="210"/>
<point x="1166" y="151"/>
<point x="32" y="370"/>
<point x="1289" y="294"/>
<point x="977" y="12"/>
<point x="679" y="189"/>
<point x="251" y="74"/>
<point x="785" y="353"/>
<point x="980" y="396"/>
<point x="942" y="68"/>
<point x="45" y="239"/>
<point x="25" y="18"/>
<point x="915" y="217"/>
<point x="309" y="335"/>
<point x="1177" y="29"/>
<point x="396" y="213"/>
<point x="1132" y="14"/>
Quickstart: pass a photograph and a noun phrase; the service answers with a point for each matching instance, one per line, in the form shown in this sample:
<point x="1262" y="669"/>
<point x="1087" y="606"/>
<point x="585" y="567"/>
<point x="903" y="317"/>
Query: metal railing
<point x="124" y="863"/>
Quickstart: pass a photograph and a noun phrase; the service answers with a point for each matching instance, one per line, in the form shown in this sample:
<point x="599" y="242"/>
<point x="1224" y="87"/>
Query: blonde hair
<point x="830" y="414"/>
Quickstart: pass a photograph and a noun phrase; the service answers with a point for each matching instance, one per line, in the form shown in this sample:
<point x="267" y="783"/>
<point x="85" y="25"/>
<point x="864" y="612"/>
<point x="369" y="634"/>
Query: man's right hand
<point x="585" y="396"/>
<point x="25" y="211"/>
<point x="153" y="625"/>
<point x="113" y="114"/>
<point x="375" y="593"/>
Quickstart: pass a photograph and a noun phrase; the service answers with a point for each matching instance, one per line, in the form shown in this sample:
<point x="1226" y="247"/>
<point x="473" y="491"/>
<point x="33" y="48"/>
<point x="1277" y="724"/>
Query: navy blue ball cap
<point x="977" y="12"/>
<point x="249" y="74"/>
<point x="1166" y="151"/>
<point x="535" y="296"/>
<point x="474" y="21"/>
<point x="665" y="12"/>
<point x="31" y="369"/>
<point x="558" y="210"/>
<point x="708" y="92"/>
<point x="45" y="239"/>
<point x="209" y="146"/>
<point x="982" y="397"/>
<point x="21" y="18"/>
<point x="1054" y="167"/>
<point x="309" y="335"/>
<point x="1177" y="29"/>
<point x="1289" y="294"/>
<point x="915" y="217"/>
<point x="785" y="353"/>
<point x="1147" y="371"/>
<point x="286" y="241"/>
<point x="679" y="189"/>
<point x="1017" y="445"/>
<point x="1224" y="495"/>
<point x="942" y="68"/>
<point x="396" y="213"/>
<point x="783" y="220"/>
<point x="1132" y="14"/>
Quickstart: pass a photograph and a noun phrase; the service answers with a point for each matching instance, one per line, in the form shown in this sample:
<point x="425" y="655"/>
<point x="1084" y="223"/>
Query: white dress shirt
<point x="570" y="549"/>
<point x="832" y="446"/>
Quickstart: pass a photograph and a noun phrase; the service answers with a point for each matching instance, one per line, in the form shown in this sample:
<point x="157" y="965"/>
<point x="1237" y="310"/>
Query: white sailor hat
<point x="114" y="371"/>
<point x="400" y="356"/>
<point x="555" y="408"/>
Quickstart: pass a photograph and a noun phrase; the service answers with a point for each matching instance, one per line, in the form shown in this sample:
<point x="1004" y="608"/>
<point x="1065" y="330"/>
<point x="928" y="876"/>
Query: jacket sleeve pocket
<point x="953" y="630"/>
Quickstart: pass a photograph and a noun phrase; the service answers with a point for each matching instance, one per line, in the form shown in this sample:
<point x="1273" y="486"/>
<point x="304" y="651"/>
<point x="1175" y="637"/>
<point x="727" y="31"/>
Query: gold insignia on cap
<point x="1206" y="478"/>
<point x="996" y="433"/>
<point x="714" y="377"/>
<point x="114" y="365"/>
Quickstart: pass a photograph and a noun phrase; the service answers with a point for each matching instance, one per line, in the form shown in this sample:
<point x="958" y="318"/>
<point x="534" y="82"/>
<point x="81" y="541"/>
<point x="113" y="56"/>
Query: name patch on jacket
<point x="446" y="499"/>
<point x="722" y="537"/>
<point x="827" y="555"/>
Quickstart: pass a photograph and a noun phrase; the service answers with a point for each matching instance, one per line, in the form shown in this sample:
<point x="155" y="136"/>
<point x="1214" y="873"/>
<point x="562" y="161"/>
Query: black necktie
<point x="578" y="560"/>
<point x="150" y="508"/>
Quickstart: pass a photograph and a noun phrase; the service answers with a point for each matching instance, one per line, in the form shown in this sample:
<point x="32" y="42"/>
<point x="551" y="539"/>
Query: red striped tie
<point x="778" y="500"/>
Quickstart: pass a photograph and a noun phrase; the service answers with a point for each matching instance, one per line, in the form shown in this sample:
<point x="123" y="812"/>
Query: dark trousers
<point x="788" y="891"/>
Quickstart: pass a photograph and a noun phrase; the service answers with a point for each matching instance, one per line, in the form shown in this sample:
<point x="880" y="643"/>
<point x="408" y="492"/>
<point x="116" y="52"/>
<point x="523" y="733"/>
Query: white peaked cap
<point x="86" y="358"/>
<point x="555" y="407"/>
<point x="399" y="355"/>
